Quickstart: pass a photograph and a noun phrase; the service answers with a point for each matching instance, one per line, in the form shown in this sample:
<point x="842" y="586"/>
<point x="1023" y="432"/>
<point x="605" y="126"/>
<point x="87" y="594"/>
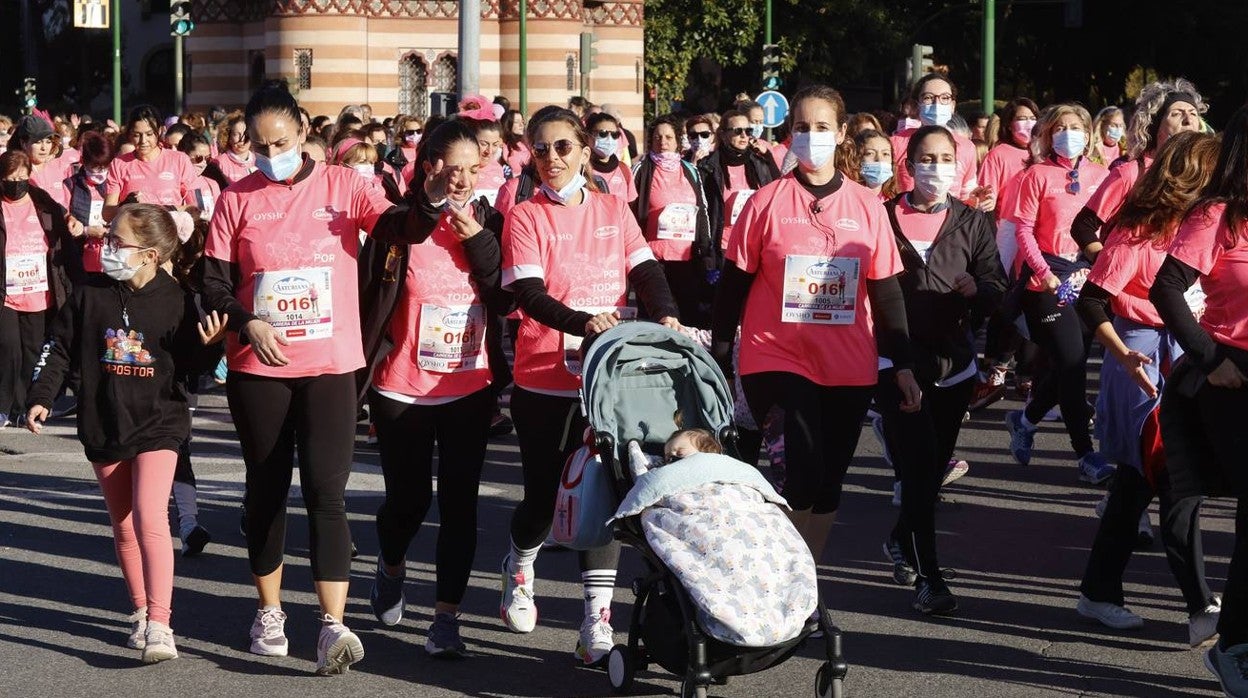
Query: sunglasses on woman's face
<point x="741" y="131"/>
<point x="413" y="132"/>
<point x="608" y="134"/>
<point x="563" y="147"/>
<point x="698" y="134"/>
<point x="197" y="159"/>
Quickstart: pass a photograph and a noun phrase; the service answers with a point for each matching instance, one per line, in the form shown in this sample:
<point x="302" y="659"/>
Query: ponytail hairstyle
<point x="191" y="250"/>
<point x="437" y="144"/>
<point x="566" y="117"/>
<point x="154" y="228"/>
<point x="273" y="98"/>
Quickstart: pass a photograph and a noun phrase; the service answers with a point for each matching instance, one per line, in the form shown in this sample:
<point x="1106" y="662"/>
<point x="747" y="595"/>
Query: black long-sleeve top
<point x="1173" y="280"/>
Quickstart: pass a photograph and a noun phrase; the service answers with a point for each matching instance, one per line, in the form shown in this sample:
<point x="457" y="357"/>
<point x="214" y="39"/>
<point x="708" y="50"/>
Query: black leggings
<point x="21" y="340"/>
<point x="821" y="429"/>
<point x="549" y="429"/>
<point x="921" y="444"/>
<point x="405" y="438"/>
<point x="1129" y="497"/>
<point x="686" y="286"/>
<point x="1065" y="341"/>
<point x="273" y="416"/>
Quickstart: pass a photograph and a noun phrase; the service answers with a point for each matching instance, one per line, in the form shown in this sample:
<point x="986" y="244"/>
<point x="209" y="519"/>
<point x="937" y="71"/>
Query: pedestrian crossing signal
<point x="180" y="22"/>
<point x="30" y="93"/>
<point x="771" y="67"/>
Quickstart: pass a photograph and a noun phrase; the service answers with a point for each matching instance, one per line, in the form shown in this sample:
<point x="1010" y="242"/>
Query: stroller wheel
<point x="621" y="669"/>
<point x="827" y="685"/>
<point x="688" y="689"/>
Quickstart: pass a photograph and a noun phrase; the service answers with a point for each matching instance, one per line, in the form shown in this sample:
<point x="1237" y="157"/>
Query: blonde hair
<point x="1042" y="141"/>
<point x="1097" y="136"/>
<point x="702" y="439"/>
<point x="1141" y="136"/>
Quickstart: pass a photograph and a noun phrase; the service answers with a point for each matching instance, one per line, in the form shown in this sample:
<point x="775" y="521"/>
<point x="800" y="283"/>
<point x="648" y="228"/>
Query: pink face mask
<point x="668" y="162"/>
<point x="1022" y="130"/>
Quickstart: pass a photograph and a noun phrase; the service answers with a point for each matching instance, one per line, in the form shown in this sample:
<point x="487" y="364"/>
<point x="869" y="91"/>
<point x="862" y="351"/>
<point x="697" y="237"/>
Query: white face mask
<point x="935" y="114"/>
<point x="568" y="191"/>
<point x="813" y="149"/>
<point x="115" y="262"/>
<point x="1070" y="144"/>
<point x="605" y="147"/>
<point x="365" y="170"/>
<point x="97" y="176"/>
<point x="933" y="180"/>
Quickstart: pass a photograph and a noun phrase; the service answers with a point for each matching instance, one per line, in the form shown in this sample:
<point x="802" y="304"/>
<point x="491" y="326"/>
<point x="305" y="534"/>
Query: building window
<point x="303" y="65"/>
<point x="445" y="71"/>
<point x="571" y="69"/>
<point x="414" y="87"/>
<point x="255" y="70"/>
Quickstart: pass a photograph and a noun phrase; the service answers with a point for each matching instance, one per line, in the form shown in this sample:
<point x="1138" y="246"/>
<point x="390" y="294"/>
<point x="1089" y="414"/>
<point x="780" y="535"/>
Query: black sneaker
<point x="932" y="597"/>
<point x="500" y="425"/>
<point x="444" y="641"/>
<point x="387" y="598"/>
<point x="903" y="571"/>
<point x="194" y="542"/>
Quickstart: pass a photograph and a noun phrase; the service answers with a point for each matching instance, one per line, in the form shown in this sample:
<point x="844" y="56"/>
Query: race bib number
<point x="678" y="222"/>
<point x="572" y="343"/>
<point x="26" y="273"/>
<point x="297" y="302"/>
<point x="451" y="338"/>
<point x="742" y="196"/>
<point x="820" y="290"/>
<point x="95" y="217"/>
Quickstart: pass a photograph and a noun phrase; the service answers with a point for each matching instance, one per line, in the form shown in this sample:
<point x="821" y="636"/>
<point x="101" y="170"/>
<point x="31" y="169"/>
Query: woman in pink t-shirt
<point x="606" y="132"/>
<point x="875" y="163"/>
<point x="935" y="100"/>
<point x="671" y="209"/>
<point x="515" y="152"/>
<point x="1140" y="352"/>
<point x="235" y="159"/>
<point x="569" y="256"/>
<point x="433" y="384"/>
<point x="1050" y="193"/>
<point x="1203" y="408"/>
<point x="150" y="174"/>
<point x="808" y="340"/>
<point x="1109" y="136"/>
<point x="206" y="191"/>
<point x="731" y="175"/>
<point x="34" y="135"/>
<point x="277" y="233"/>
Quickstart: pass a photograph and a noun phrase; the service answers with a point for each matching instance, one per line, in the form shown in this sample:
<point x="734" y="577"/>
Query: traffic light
<point x="771" y="67"/>
<point x="180" y="22"/>
<point x="589" y="54"/>
<point x="921" y="61"/>
<point x="30" y="93"/>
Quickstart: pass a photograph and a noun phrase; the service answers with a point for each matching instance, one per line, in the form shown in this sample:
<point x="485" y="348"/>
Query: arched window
<point x="414" y="86"/>
<point x="445" y="70"/>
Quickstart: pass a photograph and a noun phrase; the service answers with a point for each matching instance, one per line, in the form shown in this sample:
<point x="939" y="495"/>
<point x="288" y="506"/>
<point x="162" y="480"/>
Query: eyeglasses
<point x="196" y="159"/>
<point x="563" y="147"/>
<point x="744" y="131"/>
<point x="608" y="134"/>
<point x="929" y="98"/>
<point x="1072" y="182"/>
<point x="413" y="132"/>
<point x="698" y="134"/>
<point x="239" y="137"/>
<point x="114" y="243"/>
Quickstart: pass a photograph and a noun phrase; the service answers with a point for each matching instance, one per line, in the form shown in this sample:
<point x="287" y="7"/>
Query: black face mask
<point x="14" y="190"/>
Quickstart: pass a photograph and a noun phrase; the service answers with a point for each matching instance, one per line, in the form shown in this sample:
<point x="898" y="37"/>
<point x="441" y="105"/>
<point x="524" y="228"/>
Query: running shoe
<point x="896" y="493"/>
<point x="903" y="571"/>
<point x="989" y="389"/>
<point x="1202" y="628"/>
<point x="387" y="598"/>
<point x="518" y="607"/>
<point x="193" y="543"/>
<point x="1230" y="666"/>
<point x="443" y="641"/>
<point x="138" y="629"/>
<point x="500" y="425"/>
<point x="220" y="372"/>
<point x="1094" y="469"/>
<point x="933" y="598"/>
<point x="1022" y="438"/>
<point x="268" y="633"/>
<point x="954" y="471"/>
<point x="1144" y="533"/>
<point x="158" y="643"/>
<point x="371" y="439"/>
<point x="337" y="648"/>
<point x="1110" y="615"/>
<point x="597" y="638"/>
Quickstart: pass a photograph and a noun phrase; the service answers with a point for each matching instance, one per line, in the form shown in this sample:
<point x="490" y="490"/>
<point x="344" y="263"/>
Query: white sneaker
<point x="518" y="608"/>
<point x="1108" y="614"/>
<point x="158" y="643"/>
<point x="138" y="629"/>
<point x="597" y="638"/>
<point x="337" y="648"/>
<point x="268" y="633"/>
<point x="1202" y="628"/>
<point x="896" y="494"/>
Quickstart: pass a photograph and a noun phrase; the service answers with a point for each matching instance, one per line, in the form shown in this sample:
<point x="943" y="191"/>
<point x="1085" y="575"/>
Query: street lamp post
<point x="116" y="5"/>
<point x="524" y="59"/>
<point x="990" y="56"/>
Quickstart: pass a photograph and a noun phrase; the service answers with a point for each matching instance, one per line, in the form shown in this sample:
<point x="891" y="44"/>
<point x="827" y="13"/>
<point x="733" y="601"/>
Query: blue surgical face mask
<point x="875" y="174"/>
<point x="1114" y="133"/>
<point x="282" y="166"/>
<point x="935" y="114"/>
<point x="756" y="130"/>
<point x="1070" y="144"/>
<point x="813" y="149"/>
<point x="605" y="147"/>
<point x="568" y="191"/>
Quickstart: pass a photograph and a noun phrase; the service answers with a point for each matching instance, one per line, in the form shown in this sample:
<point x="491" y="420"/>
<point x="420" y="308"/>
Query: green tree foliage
<point x="678" y="32"/>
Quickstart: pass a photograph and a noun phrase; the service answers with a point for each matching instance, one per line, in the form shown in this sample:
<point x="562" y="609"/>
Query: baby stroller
<point x="639" y="378"/>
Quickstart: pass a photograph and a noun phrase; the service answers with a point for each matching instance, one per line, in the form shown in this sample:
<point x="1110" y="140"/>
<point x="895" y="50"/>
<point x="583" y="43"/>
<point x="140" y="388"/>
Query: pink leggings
<point x="137" y="494"/>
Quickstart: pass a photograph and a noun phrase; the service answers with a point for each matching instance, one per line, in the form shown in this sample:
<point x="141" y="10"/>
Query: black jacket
<point x="704" y="252"/>
<point x="129" y="347"/>
<point x="759" y="171"/>
<point x="64" y="251"/>
<point x="942" y="321"/>
<point x="383" y="271"/>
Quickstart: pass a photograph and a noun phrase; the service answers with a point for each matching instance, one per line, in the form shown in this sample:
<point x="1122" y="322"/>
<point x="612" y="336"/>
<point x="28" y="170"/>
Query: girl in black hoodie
<point x="129" y="335"/>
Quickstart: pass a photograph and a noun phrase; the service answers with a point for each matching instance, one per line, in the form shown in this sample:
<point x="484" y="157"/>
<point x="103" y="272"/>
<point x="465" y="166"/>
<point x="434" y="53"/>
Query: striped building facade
<point x="400" y="55"/>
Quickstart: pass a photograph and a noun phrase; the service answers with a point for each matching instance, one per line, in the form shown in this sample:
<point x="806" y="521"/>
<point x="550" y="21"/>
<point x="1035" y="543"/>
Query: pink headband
<point x="342" y="148"/>
<point x="476" y="107"/>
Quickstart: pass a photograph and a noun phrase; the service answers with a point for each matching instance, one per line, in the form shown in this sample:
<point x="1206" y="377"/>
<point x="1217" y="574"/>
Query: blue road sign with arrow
<point x="775" y="108"/>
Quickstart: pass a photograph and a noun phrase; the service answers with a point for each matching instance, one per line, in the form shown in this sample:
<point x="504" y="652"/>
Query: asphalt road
<point x="1018" y="538"/>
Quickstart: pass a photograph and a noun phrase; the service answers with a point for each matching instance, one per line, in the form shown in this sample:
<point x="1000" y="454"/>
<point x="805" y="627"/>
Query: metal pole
<point x="767" y="24"/>
<point x="469" y="47"/>
<point x="524" y="58"/>
<point x="179" y="100"/>
<point x="116" y="5"/>
<point x="990" y="56"/>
